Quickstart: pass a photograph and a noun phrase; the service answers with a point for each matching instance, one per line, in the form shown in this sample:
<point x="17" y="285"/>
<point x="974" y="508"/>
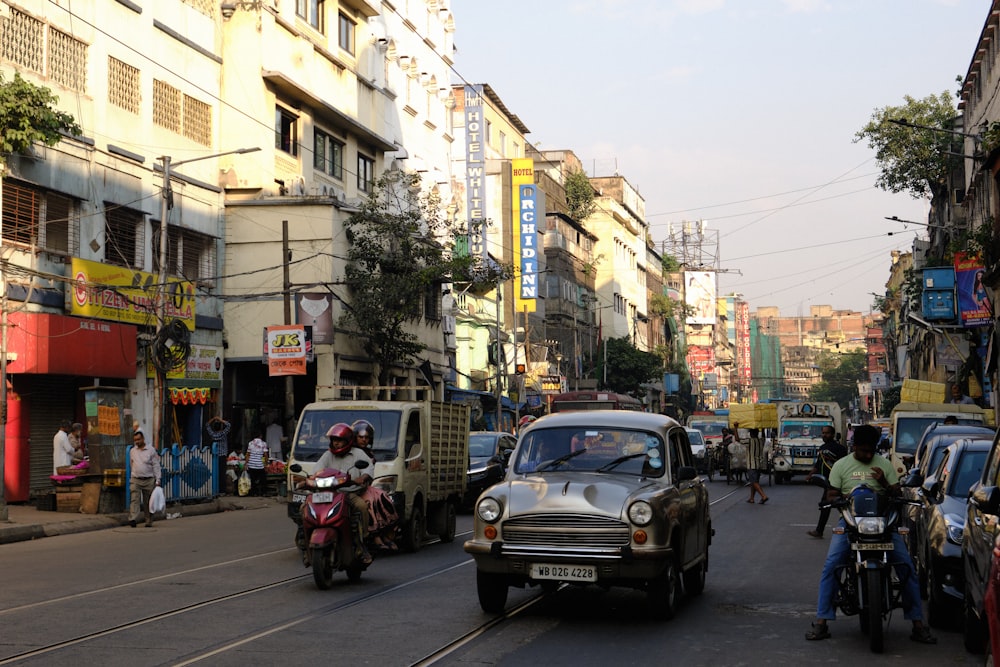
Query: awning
<point x="189" y="395"/>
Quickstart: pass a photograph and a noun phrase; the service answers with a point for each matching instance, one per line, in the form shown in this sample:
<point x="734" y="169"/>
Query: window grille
<point x="67" y="60"/>
<point x="197" y="121"/>
<point x="124" y="227"/>
<point x="124" y="89"/>
<point x="37" y="218"/>
<point x="166" y="106"/>
<point x="22" y="40"/>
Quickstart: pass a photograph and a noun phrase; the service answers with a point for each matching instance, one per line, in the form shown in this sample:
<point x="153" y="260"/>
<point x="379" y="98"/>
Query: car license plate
<point x="298" y="497"/>
<point x="323" y="497"/>
<point x="872" y="546"/>
<point x="799" y="461"/>
<point x="563" y="572"/>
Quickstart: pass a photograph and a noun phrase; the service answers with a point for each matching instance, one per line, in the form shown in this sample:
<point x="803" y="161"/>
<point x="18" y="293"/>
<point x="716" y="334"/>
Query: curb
<point x="24" y="532"/>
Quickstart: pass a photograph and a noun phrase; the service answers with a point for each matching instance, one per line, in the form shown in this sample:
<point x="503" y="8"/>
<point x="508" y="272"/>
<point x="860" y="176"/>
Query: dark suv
<point x="978" y="538"/>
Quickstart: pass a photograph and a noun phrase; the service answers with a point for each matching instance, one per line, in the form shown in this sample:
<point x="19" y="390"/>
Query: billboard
<point x="699" y="296"/>
<point x="526" y="239"/>
<point x="743" y="342"/>
<point x="475" y="172"/>
<point x="974" y="306"/>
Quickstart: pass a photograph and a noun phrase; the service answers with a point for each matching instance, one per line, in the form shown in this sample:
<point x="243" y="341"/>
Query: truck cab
<point x="799" y="436"/>
<point x="911" y="419"/>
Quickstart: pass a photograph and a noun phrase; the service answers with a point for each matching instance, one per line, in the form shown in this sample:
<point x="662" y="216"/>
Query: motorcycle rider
<point x="344" y="456"/>
<point x="828" y="454"/>
<point x="866" y="467"/>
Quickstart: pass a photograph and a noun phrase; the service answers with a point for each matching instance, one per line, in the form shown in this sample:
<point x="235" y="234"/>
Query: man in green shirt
<point x="864" y="466"/>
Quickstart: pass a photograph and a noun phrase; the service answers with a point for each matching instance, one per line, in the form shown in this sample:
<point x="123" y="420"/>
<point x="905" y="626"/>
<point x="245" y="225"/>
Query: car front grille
<point x="566" y="530"/>
<point x="802" y="452"/>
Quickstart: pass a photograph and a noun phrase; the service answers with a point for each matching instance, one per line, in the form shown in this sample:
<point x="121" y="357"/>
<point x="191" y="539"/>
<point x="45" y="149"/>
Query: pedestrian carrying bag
<point x="157" y="502"/>
<point x="243" y="486"/>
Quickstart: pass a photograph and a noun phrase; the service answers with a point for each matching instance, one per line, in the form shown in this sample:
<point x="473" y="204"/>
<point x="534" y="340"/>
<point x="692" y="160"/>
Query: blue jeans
<point x="840" y="554"/>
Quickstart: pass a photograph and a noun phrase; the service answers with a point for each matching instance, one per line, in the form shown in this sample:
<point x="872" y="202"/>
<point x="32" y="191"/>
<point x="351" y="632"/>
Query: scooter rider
<point x="865" y="467"/>
<point x="344" y="456"/>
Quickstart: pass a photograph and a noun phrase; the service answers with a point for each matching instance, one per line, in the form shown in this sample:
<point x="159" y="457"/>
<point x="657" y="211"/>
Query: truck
<point x="909" y="419"/>
<point x="799" y="436"/>
<point x="710" y="425"/>
<point x="421" y="453"/>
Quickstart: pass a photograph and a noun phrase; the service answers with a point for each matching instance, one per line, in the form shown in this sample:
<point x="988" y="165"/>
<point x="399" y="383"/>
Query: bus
<point x="594" y="400"/>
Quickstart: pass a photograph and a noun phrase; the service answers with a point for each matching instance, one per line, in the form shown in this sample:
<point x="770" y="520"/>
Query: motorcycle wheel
<point x="322" y="567"/>
<point x="874" y="580"/>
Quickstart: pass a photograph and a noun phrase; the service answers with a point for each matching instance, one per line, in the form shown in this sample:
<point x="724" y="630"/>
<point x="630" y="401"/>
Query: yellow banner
<point x="107" y="292"/>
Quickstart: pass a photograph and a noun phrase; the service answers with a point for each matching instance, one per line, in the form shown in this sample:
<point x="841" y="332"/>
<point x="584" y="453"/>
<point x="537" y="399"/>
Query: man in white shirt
<point x="62" y="448"/>
<point x="273" y="436"/>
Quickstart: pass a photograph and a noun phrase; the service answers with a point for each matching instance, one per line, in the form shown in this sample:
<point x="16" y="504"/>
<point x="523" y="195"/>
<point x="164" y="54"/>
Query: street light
<point x="166" y="204"/>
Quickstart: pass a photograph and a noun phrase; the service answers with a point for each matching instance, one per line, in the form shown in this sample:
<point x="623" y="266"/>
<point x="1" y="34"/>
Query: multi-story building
<point x="83" y="265"/>
<point x="336" y="94"/>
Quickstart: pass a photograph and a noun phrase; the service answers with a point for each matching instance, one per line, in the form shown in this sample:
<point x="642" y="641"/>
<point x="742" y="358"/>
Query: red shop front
<point x="50" y="358"/>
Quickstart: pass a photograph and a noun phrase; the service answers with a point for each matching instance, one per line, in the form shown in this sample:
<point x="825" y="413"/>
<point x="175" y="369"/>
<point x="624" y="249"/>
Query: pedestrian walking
<point x="756" y="464"/>
<point x="829" y="453"/>
<point x="144" y="463"/>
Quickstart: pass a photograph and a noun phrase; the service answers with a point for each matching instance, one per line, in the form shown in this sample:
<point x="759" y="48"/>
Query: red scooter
<point x="329" y="536"/>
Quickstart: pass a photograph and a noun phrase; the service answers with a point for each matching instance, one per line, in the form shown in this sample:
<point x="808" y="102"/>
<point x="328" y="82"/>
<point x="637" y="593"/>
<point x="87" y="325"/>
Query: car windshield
<point x="311" y="440"/>
<point x="911" y="429"/>
<point x="709" y="428"/>
<point x="968" y="471"/>
<point x="695" y="438"/>
<point x="598" y="449"/>
<point x="482" y="445"/>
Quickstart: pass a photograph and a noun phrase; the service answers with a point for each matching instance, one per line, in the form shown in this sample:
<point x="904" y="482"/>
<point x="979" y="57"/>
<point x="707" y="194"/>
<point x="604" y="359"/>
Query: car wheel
<point x="492" y="589"/>
<point x="973" y="635"/>
<point x="937" y="609"/>
<point x="694" y="579"/>
<point x="663" y="593"/>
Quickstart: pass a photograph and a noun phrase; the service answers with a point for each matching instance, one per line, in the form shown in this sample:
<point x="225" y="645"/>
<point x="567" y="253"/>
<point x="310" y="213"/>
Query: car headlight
<point x="489" y="509"/>
<point x="640" y="513"/>
<point x="954" y="526"/>
<point x="871" y="525"/>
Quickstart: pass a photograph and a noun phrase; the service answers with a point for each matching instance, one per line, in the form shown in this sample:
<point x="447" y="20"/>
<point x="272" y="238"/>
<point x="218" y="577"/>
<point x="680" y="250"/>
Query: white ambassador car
<point x="606" y="497"/>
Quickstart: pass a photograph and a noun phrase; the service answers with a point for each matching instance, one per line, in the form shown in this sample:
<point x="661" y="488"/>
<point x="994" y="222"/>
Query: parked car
<point x="991" y="604"/>
<point x="489" y="452"/>
<point x="979" y="540"/>
<point x="702" y="453"/>
<point x="605" y="497"/>
<point x="939" y="522"/>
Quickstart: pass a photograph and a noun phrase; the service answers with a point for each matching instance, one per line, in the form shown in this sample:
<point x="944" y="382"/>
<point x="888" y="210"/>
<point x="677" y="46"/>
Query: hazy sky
<point x="739" y="112"/>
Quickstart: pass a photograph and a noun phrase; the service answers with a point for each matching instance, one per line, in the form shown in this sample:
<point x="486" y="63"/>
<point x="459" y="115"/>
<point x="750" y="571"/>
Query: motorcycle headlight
<point x="640" y="513"/>
<point x="489" y="509"/>
<point x="871" y="525"/>
<point x="954" y="525"/>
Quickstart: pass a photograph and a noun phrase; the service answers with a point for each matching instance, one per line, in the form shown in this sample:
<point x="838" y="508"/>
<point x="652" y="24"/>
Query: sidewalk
<point x="25" y="522"/>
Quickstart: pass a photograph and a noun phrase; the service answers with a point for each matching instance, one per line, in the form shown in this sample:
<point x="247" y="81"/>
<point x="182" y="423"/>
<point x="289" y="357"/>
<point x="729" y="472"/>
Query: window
<point x="345" y="35"/>
<point x="503" y="144"/>
<point x="181" y="113"/>
<point x="38" y="218"/>
<point x="124" y="231"/>
<point x="328" y="154"/>
<point x="366" y="173"/>
<point x="123" y="85"/>
<point x="189" y="254"/>
<point x="432" y="302"/>
<point x="311" y="11"/>
<point x="166" y="106"/>
<point x="286" y="131"/>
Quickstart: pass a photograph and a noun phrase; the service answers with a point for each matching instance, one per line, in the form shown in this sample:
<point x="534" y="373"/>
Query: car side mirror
<point x="987" y="499"/>
<point x="361" y="465"/>
<point x="913" y="479"/>
<point x="931" y="489"/>
<point x="686" y="473"/>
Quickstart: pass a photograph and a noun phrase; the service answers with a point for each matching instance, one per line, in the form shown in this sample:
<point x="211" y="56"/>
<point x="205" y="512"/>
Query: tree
<point x="579" y="195"/>
<point x="913" y="160"/>
<point x="27" y="115"/>
<point x="396" y="263"/>
<point x="629" y="367"/>
<point x="841" y="374"/>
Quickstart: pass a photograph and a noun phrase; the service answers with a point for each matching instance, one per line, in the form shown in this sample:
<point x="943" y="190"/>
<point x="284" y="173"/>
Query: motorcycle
<point x="868" y="585"/>
<point x="329" y="537"/>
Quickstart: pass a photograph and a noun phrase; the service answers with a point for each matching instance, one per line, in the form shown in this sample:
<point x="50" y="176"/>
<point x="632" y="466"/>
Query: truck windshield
<point x="909" y="430"/>
<point x="709" y="428"/>
<point x="311" y="441"/>
<point x="791" y="430"/>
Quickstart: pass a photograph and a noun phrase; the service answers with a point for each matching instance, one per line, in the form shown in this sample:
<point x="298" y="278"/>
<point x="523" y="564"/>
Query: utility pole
<point x="286" y="257"/>
<point x="3" y="384"/>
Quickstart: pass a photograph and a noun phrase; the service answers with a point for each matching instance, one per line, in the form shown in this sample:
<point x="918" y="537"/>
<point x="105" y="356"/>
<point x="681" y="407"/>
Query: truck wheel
<point x="448" y="535"/>
<point x="492" y="589"/>
<point x="413" y="530"/>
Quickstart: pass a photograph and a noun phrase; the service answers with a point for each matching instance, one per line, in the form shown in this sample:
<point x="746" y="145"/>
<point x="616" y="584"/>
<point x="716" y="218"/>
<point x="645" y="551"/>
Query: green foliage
<point x="396" y="261"/>
<point x="670" y="264"/>
<point x="579" y="195"/>
<point x="890" y="399"/>
<point x="27" y="115"/>
<point x="841" y="374"/>
<point x="629" y="367"/>
<point x="912" y="160"/>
